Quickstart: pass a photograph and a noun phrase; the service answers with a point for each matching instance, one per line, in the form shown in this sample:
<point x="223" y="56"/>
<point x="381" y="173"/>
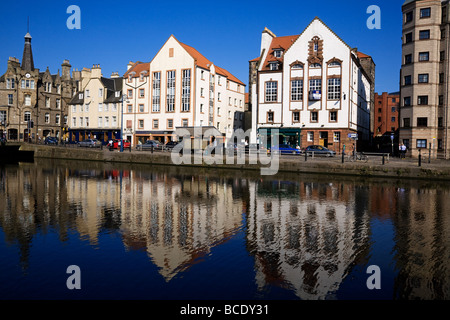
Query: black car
<point x="51" y="141"/>
<point x="150" y="145"/>
<point x="170" y="145"/>
<point x="319" y="151"/>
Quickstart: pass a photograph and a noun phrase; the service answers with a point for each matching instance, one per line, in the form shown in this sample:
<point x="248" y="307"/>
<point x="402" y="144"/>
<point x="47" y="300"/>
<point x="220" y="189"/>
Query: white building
<point x="184" y="89"/>
<point x="312" y="88"/>
<point x="136" y="108"/>
<point x="94" y="111"/>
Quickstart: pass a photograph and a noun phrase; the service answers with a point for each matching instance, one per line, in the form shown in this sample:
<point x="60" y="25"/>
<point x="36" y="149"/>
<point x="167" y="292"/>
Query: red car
<point x="126" y="144"/>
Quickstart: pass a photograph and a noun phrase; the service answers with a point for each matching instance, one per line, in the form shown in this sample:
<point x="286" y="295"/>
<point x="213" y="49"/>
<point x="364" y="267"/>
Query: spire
<point x="27" y="59"/>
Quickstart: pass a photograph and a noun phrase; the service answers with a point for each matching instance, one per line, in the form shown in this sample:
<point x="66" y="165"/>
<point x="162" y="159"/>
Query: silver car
<point x="90" y="143"/>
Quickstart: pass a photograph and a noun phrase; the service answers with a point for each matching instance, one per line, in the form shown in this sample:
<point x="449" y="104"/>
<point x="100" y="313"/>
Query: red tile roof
<point x="204" y="63"/>
<point x="138" y="67"/>
<point x="283" y="43"/>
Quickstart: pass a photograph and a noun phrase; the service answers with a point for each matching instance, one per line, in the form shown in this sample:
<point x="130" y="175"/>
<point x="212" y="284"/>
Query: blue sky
<point x="227" y="32"/>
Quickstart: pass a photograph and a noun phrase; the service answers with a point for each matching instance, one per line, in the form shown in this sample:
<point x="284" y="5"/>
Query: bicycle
<point x="358" y="157"/>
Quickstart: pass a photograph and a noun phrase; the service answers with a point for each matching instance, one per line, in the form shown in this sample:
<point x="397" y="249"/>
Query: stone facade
<point x="33" y="103"/>
<point x="424" y="85"/>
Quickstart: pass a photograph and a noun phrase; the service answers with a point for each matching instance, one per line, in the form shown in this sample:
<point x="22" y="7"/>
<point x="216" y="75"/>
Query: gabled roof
<point x="205" y="63"/>
<point x="283" y="43"/>
<point x="202" y="62"/>
<point x="138" y="67"/>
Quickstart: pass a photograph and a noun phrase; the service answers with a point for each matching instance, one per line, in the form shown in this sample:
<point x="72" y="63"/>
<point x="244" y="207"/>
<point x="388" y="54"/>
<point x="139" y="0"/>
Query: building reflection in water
<point x="305" y="235"/>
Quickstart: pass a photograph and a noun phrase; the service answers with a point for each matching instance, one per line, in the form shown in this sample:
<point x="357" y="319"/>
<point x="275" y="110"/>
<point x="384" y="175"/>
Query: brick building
<point x="386" y="113"/>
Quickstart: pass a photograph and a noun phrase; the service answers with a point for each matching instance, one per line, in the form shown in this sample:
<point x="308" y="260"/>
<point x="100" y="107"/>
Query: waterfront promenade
<point x="374" y="167"/>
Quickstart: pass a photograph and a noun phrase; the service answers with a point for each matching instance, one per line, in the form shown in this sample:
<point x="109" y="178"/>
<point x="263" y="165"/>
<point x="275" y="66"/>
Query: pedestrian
<point x="404" y="149"/>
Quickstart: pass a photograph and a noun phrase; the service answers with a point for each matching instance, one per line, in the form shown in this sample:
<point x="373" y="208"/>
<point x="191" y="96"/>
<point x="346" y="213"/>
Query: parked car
<point x="116" y="145"/>
<point x="319" y="151"/>
<point x="149" y="144"/>
<point x="170" y="145"/>
<point x="90" y="143"/>
<point x="51" y="141"/>
<point x="285" y="149"/>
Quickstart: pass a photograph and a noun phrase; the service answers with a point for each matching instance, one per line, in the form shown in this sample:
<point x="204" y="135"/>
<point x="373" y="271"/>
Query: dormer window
<point x="273" y="65"/>
<point x="130" y="77"/>
<point x="278" y="53"/>
<point x="117" y="94"/>
<point x="80" y="96"/>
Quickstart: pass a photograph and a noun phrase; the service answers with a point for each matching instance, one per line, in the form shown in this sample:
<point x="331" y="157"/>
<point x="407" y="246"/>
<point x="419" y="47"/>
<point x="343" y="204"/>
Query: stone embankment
<point x="394" y="167"/>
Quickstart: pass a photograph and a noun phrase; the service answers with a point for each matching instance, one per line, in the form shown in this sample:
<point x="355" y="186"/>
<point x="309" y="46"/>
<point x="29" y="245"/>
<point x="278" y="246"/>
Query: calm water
<point x="176" y="233"/>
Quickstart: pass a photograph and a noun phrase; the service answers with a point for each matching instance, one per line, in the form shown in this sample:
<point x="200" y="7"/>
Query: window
<point x="270" y="116"/>
<point x="334" y="89"/>
<point x="229" y="114"/>
<point x="315" y="65"/>
<point x="81" y="121"/>
<point x="442" y="56"/>
<point x="425" y="13"/>
<point x="422" y="100"/>
<point x="129" y="94"/>
<point x="408" y="37"/>
<point x="422" y="122"/>
<point x="333" y="116"/>
<point x="2" y="117"/>
<point x="314" y="116"/>
<point x="10" y="99"/>
<point x="421" y="143"/>
<point x="100" y="107"/>
<point x="66" y="119"/>
<point x="310" y="136"/>
<point x="86" y="107"/>
<point x="277" y="53"/>
<point x="58" y="103"/>
<point x="186" y="91"/>
<point x="74" y="122"/>
<point x="271" y="91"/>
<point x="114" y="107"/>
<point x="424" y="34"/>
<point x="58" y="88"/>
<point x="114" y="121"/>
<point x="337" y="137"/>
<point x="141" y="93"/>
<point x="295" y="116"/>
<point x="424" y="56"/>
<point x="57" y="119"/>
<point x="100" y="122"/>
<point x="273" y="65"/>
<point x="106" y="107"/>
<point x="87" y="93"/>
<point x="141" y="108"/>
<point x="27" y="100"/>
<point x="185" y="123"/>
<point x="407" y="80"/>
<point x="440" y="122"/>
<point x="297" y="66"/>
<point x="297" y="90"/>
<point x="408" y="16"/>
<point x="441" y="100"/>
<point x="170" y="123"/>
<point x="170" y="106"/>
<point x="441" y="78"/>
<point x="130" y="108"/>
<point x="141" y="124"/>
<point x="201" y="107"/>
<point x="334" y="64"/>
<point x="10" y="83"/>
<point x="423" y="78"/>
<point x="406" y="122"/>
<point x="392" y="119"/>
<point x="47" y="118"/>
<point x="315" y="89"/>
<point x="408" y="58"/>
<point x="74" y="109"/>
<point x="406" y="101"/>
<point x="87" y="121"/>
<point x="100" y="93"/>
<point x="439" y="144"/>
<point x="156" y="99"/>
<point x="47" y="102"/>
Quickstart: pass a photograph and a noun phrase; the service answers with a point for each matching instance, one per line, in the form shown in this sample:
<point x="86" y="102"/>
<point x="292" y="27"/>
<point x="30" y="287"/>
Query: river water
<point x="141" y="232"/>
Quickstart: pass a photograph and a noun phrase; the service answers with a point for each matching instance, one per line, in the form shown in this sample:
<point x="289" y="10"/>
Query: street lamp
<point x="124" y="97"/>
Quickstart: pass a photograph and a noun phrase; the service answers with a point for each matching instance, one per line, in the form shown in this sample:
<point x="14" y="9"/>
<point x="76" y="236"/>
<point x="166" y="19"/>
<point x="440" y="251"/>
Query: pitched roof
<point x="137" y="67"/>
<point x="362" y="55"/>
<point x="204" y="63"/>
<point x="283" y="43"/>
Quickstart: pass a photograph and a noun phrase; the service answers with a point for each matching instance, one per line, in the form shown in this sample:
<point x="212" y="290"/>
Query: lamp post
<point x="135" y="87"/>
<point x="124" y="97"/>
